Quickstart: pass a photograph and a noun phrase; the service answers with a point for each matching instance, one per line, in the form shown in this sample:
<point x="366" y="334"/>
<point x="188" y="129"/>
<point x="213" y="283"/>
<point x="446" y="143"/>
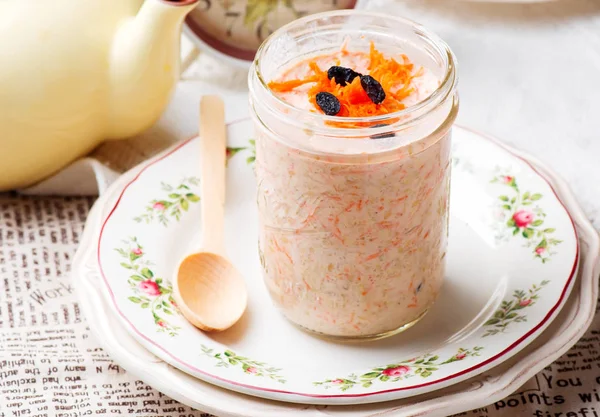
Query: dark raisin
<point x="373" y="89"/>
<point x="382" y="135"/>
<point x="342" y="75"/>
<point x="328" y="103"/>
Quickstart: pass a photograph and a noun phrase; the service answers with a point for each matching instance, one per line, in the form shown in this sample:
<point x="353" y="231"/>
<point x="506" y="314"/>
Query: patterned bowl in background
<point x="234" y="29"/>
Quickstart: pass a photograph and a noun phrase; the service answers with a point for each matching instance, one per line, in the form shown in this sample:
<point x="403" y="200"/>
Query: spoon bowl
<point x="208" y="291"/>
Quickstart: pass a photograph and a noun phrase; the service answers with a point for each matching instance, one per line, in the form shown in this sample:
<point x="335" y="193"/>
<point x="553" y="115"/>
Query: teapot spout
<point x="144" y="65"/>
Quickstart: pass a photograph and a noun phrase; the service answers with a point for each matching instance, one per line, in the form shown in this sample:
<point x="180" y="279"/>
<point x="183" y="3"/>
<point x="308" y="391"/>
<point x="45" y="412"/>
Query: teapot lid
<point x="234" y="29"/>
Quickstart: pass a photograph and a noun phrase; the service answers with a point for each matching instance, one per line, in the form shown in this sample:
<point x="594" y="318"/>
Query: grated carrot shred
<point x="394" y="77"/>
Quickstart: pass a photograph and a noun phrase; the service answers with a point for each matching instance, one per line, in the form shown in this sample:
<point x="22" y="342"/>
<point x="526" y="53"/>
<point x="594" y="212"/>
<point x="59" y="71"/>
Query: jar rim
<point x="445" y="88"/>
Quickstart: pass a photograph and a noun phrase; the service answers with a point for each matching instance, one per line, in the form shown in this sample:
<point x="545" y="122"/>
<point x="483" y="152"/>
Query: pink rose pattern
<point x="228" y="358"/>
<point x="423" y="366"/>
<point x="510" y="310"/>
<point x="149" y="291"/>
<point x="159" y="206"/>
<point x="397" y="371"/>
<point x="524" y="217"/>
<point x="150" y="288"/>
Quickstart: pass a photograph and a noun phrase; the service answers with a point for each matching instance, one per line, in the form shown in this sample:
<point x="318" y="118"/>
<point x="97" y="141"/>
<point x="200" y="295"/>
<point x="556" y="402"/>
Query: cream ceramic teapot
<point x="76" y="73"/>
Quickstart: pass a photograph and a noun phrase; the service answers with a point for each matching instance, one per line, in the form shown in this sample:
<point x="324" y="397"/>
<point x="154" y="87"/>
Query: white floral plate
<point x="512" y="259"/>
<point x="485" y="388"/>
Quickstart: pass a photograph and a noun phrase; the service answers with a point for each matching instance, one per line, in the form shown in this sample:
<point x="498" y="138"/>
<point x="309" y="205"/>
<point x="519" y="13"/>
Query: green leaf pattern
<point x="252" y="158"/>
<point x="228" y="358"/>
<point x="522" y="216"/>
<point x="251" y="147"/>
<point x="422" y="366"/>
<point x="510" y="310"/>
<point x="176" y="201"/>
<point x="148" y="291"/>
<point x="232" y="151"/>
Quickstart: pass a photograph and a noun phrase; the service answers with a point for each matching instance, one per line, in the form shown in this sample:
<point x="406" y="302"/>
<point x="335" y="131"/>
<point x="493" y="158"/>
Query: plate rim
<point x="338" y="398"/>
<point x="495" y="388"/>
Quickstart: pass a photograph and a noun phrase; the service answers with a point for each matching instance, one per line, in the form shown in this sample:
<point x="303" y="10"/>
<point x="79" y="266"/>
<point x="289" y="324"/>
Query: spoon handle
<point x="213" y="139"/>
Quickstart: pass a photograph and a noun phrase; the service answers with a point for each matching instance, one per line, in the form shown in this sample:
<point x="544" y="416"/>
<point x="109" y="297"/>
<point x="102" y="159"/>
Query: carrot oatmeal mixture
<point x="353" y="247"/>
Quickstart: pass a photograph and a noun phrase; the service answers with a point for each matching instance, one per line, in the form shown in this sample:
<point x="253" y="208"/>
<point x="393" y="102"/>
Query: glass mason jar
<point x="353" y="212"/>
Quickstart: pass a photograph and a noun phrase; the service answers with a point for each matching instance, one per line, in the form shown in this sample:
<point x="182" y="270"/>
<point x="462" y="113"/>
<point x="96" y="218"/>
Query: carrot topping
<point x="285" y="86"/>
<point x="395" y="79"/>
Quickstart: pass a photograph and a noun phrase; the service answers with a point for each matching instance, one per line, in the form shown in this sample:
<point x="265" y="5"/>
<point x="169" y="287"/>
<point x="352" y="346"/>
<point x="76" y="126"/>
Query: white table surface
<point x="529" y="75"/>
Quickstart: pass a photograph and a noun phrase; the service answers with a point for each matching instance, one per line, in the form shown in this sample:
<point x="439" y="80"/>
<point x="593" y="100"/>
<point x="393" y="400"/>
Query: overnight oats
<point x="353" y="113"/>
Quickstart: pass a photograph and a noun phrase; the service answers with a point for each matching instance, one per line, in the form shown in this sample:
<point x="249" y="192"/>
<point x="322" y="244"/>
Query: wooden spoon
<point x="209" y="290"/>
